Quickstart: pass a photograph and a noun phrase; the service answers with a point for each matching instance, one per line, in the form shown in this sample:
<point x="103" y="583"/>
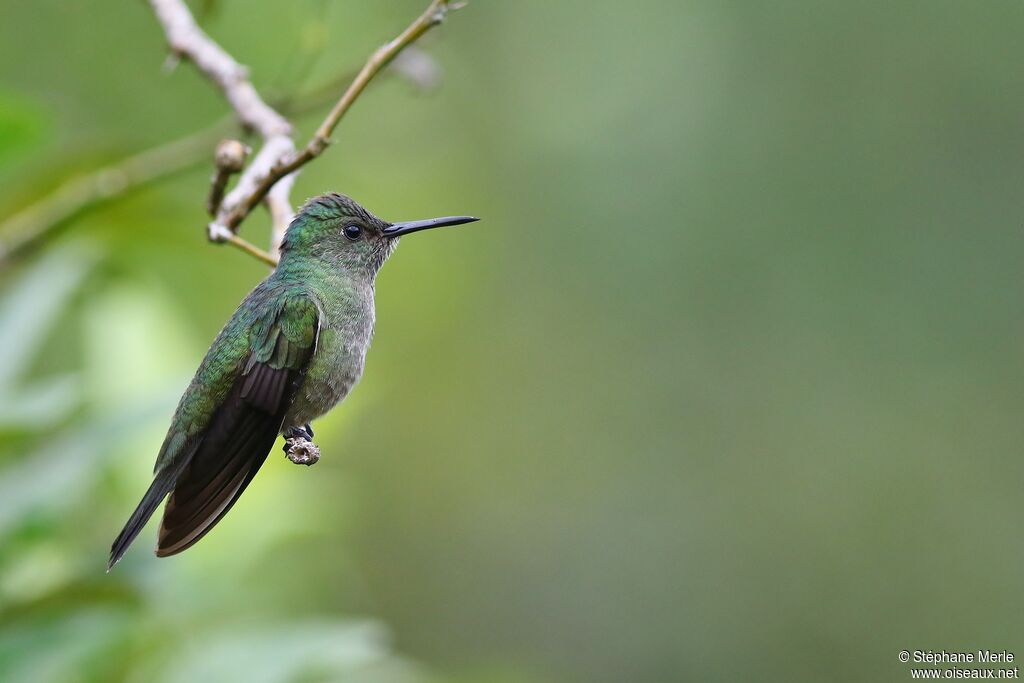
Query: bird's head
<point x="336" y="229"/>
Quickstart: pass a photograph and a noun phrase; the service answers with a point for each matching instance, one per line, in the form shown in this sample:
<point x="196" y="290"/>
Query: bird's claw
<point x="305" y="432"/>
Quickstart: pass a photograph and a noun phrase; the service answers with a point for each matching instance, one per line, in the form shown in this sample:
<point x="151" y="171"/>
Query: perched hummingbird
<point x="293" y="349"/>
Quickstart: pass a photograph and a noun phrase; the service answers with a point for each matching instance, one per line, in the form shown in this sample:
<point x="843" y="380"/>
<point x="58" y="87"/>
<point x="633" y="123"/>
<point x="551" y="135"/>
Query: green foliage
<point x="63" y="619"/>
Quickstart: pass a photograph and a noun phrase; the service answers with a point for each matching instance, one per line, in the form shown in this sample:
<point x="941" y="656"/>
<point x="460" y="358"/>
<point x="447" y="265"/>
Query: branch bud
<point x="230" y="156"/>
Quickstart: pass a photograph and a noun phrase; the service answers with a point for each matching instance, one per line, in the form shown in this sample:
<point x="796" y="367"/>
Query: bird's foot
<point x="299" y="446"/>
<point x="299" y="433"/>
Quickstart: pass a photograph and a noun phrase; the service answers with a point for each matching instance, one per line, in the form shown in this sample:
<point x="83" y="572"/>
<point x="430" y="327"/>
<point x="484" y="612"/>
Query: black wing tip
<point x="117" y="551"/>
<point x="123" y="541"/>
<point x="155" y="494"/>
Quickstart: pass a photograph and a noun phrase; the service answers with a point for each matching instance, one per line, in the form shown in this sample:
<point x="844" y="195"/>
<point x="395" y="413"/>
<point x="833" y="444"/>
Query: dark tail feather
<point x="159" y="489"/>
<point x="213" y="482"/>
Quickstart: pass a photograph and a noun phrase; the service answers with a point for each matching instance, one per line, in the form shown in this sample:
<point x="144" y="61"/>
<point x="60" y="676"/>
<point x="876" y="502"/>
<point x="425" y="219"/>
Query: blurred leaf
<point x="62" y="468"/>
<point x="288" y="651"/>
<point x="135" y="345"/>
<point x="35" y="572"/>
<point x="46" y="650"/>
<point x="30" y="310"/>
<point x="41" y="404"/>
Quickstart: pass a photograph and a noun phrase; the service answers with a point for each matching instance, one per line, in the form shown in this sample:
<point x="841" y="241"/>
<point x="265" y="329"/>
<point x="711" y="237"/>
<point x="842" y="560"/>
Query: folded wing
<point x="217" y="464"/>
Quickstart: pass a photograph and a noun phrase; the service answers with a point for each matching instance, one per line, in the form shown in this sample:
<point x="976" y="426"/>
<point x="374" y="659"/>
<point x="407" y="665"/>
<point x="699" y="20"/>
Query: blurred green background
<point x="727" y="385"/>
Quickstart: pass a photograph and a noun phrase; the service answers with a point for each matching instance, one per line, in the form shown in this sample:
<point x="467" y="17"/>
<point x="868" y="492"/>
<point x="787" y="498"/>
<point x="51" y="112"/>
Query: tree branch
<point x="270" y="174"/>
<point x="241" y="205"/>
<point x="186" y="39"/>
<point x="251" y="249"/>
<point x="24" y="229"/>
<point x="228" y="159"/>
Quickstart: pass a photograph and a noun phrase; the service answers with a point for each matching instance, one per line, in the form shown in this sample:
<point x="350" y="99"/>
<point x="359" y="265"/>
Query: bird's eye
<point x="353" y="232"/>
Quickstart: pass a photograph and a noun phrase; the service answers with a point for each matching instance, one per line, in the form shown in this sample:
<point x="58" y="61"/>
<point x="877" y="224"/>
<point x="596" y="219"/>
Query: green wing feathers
<point x="284" y="339"/>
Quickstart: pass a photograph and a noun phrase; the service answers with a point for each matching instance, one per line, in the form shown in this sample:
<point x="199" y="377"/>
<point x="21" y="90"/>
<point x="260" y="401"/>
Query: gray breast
<point x="336" y="366"/>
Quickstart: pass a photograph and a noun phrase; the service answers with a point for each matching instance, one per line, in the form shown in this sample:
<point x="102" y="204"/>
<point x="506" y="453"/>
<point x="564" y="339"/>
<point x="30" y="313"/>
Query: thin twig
<point x="43" y="218"/>
<point x="270" y="174"/>
<point x="251" y="249"/>
<point x="434" y="15"/>
<point x="186" y="39"/>
<point x="227" y="160"/>
<point x="281" y="213"/>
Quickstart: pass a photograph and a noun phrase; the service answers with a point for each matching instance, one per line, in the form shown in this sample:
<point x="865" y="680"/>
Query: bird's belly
<point x="333" y="371"/>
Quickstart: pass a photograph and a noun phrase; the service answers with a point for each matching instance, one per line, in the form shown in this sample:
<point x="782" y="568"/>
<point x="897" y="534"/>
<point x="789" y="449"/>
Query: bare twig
<point x="228" y="159"/>
<point x="281" y="213"/>
<point x="251" y="249"/>
<point x="240" y="206"/>
<point x="28" y="227"/>
<point x="270" y="174"/>
<point x="186" y="39"/>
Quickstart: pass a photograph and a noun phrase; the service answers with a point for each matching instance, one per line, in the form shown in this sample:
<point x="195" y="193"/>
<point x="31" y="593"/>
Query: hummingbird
<point x="294" y="348"/>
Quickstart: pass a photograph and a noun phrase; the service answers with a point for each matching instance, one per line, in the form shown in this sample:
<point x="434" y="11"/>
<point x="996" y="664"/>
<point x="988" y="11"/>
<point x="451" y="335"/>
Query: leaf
<point x="290" y="651"/>
<point x="63" y="470"/>
<point x="41" y="404"/>
<point x="54" y="650"/>
<point x="32" y="306"/>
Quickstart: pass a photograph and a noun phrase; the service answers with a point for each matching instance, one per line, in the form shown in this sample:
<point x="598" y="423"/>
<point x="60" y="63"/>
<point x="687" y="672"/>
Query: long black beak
<point x="398" y="229"/>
